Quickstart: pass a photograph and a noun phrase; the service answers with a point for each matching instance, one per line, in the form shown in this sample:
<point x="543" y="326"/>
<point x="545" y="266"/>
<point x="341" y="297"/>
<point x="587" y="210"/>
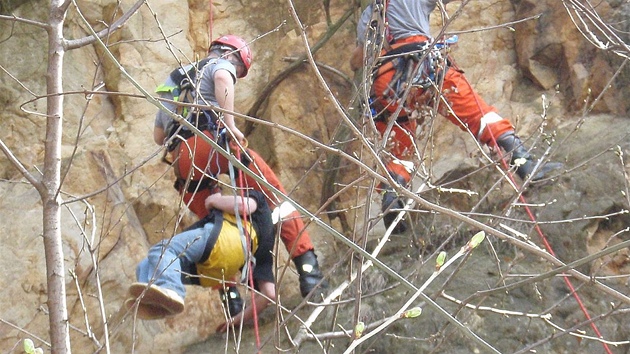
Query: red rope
<point x="550" y="250"/>
<point x="539" y="231"/>
<point x="210" y="20"/>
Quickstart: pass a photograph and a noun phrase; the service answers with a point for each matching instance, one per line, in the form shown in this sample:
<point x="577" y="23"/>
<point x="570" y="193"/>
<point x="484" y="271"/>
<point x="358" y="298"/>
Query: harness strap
<point x="412" y="67"/>
<point x="216" y="218"/>
<point x="203" y="120"/>
<point x="247" y="254"/>
<point x="409" y="50"/>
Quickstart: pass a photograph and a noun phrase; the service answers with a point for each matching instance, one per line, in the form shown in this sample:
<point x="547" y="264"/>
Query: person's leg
<point x="293" y="232"/>
<point x="193" y="157"/>
<point x="391" y="203"/>
<point x="466" y="109"/>
<point x="160" y="290"/>
<point x="469" y="111"/>
<point x="402" y="147"/>
<point x="167" y="258"/>
<point x="142" y="271"/>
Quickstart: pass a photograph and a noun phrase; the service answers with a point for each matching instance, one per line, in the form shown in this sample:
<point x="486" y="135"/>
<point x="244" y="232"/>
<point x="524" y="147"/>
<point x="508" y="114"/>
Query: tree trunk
<point x="53" y="248"/>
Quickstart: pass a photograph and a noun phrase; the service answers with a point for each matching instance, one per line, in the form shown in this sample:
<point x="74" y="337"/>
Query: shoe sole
<point x="155" y="296"/>
<point x="147" y="311"/>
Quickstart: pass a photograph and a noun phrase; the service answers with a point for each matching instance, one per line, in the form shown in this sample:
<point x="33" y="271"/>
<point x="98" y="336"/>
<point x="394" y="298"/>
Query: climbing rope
<point x="248" y="274"/>
<point x="539" y="231"/>
<point x="549" y="249"/>
<point x="210" y="20"/>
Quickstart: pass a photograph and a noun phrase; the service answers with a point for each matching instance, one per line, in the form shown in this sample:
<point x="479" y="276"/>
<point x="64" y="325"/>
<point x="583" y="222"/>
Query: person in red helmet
<point x="196" y="163"/>
<point x="229" y="58"/>
<point x="402" y="28"/>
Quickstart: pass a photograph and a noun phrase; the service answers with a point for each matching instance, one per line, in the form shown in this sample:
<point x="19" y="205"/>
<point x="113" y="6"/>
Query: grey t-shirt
<point x="206" y="83"/>
<point x="406" y="18"/>
<point x="206" y="89"/>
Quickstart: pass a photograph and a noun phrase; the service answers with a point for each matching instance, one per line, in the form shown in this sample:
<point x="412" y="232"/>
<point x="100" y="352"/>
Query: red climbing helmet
<point x="238" y="44"/>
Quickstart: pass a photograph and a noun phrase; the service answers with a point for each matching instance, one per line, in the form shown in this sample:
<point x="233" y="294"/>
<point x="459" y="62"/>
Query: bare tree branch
<point x="37" y="183"/>
<point x="45" y="26"/>
<point x="78" y="43"/>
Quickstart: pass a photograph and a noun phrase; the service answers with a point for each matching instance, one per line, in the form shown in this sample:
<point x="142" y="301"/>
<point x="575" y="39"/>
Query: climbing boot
<point x="232" y="300"/>
<point x="156" y="299"/>
<point x="522" y="159"/>
<point x="310" y="275"/>
<point x="392" y="201"/>
<point x="147" y="311"/>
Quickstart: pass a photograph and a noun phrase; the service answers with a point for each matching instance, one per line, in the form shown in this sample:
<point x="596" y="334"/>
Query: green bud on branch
<point x="29" y="347"/>
<point x="476" y="240"/>
<point x="439" y="261"/>
<point x="412" y="313"/>
<point x="358" y="330"/>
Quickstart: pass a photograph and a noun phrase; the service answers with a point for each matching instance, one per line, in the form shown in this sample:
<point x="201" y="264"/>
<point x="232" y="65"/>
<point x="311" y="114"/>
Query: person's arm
<point x="162" y="118"/>
<point x="159" y="135"/>
<point x="268" y="289"/>
<point x="356" y="60"/>
<point x="226" y="203"/>
<point x="224" y="93"/>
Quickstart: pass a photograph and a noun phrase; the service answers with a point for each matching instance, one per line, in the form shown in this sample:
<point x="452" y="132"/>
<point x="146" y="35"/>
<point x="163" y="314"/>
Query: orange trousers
<point x="463" y="107"/>
<point x="195" y="152"/>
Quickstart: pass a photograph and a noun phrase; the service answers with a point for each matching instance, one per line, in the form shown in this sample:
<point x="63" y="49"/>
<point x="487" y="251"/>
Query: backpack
<point x="185" y="79"/>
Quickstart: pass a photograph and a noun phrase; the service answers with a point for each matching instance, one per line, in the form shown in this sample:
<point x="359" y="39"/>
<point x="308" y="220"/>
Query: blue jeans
<point x="167" y="259"/>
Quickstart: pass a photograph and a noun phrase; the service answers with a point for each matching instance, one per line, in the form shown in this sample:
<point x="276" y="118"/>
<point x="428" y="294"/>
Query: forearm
<point x="226" y="203"/>
<point x="224" y="92"/>
<point x="247" y="315"/>
<point x="159" y="135"/>
<point x="356" y="60"/>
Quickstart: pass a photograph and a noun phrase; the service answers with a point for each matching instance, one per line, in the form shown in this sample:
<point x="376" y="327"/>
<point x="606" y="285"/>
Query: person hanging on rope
<point x="401" y="29"/>
<point x="196" y="162"/>
<point x="210" y="254"/>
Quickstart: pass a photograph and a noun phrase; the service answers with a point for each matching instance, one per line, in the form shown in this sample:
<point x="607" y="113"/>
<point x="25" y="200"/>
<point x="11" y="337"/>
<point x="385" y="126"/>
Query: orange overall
<point x="198" y="153"/>
<point x="465" y="108"/>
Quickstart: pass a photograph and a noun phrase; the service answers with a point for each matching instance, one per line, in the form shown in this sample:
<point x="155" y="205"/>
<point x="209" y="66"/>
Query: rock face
<point x="107" y="142"/>
<point x="552" y="53"/>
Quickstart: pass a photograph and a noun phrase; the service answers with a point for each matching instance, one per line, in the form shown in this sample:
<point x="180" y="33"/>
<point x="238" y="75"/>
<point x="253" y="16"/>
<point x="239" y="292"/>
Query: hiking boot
<point x="543" y="171"/>
<point x="152" y="296"/>
<point x="147" y="311"/>
<point x="391" y="201"/>
<point x="311" y="278"/>
<point x="232" y="300"/>
<point x="522" y="159"/>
